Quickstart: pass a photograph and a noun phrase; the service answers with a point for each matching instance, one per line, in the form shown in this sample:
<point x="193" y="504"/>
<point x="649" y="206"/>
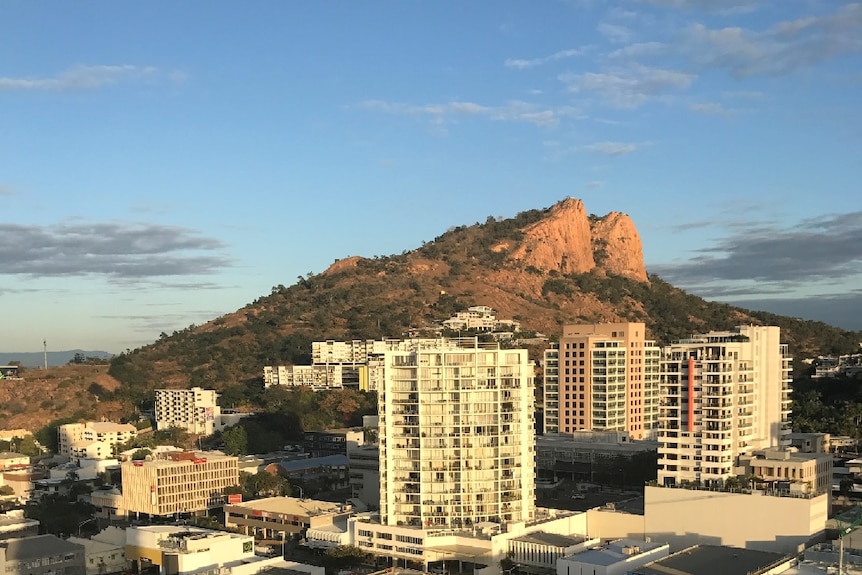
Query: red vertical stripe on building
<point x="691" y="394"/>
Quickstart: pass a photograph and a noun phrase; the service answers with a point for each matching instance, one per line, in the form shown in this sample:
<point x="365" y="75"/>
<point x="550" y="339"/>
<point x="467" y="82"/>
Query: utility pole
<point x="45" y="350"/>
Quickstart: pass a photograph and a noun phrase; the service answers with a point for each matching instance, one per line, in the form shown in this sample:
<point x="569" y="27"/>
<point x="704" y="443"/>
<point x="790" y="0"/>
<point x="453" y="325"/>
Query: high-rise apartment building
<point x="456" y="435"/>
<point x="725" y="394"/>
<point x="196" y="410"/>
<point x="602" y="377"/>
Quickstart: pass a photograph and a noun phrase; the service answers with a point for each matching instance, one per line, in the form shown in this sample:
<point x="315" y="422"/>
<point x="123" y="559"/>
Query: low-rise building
<point x="543" y="550"/>
<point x="13" y="524"/>
<point x="93" y="439"/>
<point x="12" y="460"/>
<point x="103" y="556"/>
<point x="281" y="517"/>
<point x="330" y="472"/>
<point x="789" y="471"/>
<point x="331" y="441"/>
<point x="614" y="558"/>
<point x="41" y="555"/>
<point x="190" y="550"/>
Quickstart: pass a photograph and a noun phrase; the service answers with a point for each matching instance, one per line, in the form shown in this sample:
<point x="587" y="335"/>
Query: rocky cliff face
<point x="617" y="245"/>
<point x="567" y="241"/>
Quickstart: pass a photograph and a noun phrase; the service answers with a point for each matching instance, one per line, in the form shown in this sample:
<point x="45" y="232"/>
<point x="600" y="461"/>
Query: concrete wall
<point x="606" y="524"/>
<point x="684" y="517"/>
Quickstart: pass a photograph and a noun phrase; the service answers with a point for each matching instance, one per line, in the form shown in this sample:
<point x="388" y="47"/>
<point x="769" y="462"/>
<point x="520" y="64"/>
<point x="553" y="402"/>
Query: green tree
<point x="343" y="557"/>
<point x="235" y="440"/>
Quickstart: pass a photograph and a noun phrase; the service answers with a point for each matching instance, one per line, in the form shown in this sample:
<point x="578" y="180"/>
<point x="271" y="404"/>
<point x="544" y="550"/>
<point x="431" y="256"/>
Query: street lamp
<point x="82" y="523"/>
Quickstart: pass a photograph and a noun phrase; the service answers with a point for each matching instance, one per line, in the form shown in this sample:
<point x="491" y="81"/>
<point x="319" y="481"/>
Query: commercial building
<point x="458" y="427"/>
<point x="195" y="410"/>
<point x="602" y="377"/>
<point x="93" y="439"/>
<point x="725" y="394"/>
<point x="185" y="482"/>
<point x="41" y="555"/>
<point x="281" y="517"/>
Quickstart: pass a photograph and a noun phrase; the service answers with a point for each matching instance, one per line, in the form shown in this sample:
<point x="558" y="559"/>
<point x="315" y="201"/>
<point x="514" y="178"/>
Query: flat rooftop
<point x="615" y="552"/>
<point x="552" y="539"/>
<point x="289" y="506"/>
<point x="713" y="560"/>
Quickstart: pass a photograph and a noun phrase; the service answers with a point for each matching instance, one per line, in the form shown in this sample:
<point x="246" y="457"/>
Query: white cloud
<point x="77" y="78"/>
<point x="516" y="111"/>
<point x="562" y="54"/>
<point x="629" y="87"/>
<point x="717" y="6"/>
<point x="783" y="48"/>
<point x="610" y="148"/>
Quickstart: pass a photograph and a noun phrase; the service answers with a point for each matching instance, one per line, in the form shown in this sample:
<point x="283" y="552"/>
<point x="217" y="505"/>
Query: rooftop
<point x="552" y="539"/>
<point x="615" y="552"/>
<point x="38" y="546"/>
<point x="713" y="560"/>
<point x="290" y="506"/>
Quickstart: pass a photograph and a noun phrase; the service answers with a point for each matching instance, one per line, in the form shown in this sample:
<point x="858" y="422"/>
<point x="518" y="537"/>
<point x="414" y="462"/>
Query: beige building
<point x="282" y="517"/>
<point x="93" y="439"/>
<point x="602" y="377"/>
<point x="789" y="471"/>
<point x="685" y="517"/>
<point x="724" y="394"/>
<point x="185" y="482"/>
<point x="12" y="460"/>
<point x="196" y="410"/>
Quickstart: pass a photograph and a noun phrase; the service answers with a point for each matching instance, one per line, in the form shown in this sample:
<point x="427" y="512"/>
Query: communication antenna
<point x="45" y="350"/>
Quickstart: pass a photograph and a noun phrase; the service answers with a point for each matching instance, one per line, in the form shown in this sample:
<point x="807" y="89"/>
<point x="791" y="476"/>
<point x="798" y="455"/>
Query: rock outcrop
<point x="617" y="246"/>
<point x="560" y="241"/>
<point x="568" y="240"/>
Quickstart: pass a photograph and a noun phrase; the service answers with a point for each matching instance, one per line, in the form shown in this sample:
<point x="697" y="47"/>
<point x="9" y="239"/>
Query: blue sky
<point x="163" y="163"/>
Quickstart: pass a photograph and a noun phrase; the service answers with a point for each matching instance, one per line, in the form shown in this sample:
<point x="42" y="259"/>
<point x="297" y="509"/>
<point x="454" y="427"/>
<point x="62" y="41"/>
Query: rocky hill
<point x="543" y="267"/>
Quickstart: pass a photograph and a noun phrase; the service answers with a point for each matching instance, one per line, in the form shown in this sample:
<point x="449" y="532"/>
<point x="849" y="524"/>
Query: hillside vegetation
<point x="385" y="296"/>
<point x="543" y="267"/>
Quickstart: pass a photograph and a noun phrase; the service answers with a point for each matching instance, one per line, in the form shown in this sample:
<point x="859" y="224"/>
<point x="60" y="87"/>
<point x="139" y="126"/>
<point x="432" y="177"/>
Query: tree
<point x="343" y="557"/>
<point x="235" y="440"/>
<point x="264" y="484"/>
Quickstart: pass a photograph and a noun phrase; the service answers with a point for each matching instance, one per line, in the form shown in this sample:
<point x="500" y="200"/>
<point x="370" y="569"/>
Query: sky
<point x="163" y="163"/>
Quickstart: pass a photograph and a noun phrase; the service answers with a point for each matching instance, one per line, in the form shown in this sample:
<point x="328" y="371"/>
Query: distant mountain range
<point x="55" y="358"/>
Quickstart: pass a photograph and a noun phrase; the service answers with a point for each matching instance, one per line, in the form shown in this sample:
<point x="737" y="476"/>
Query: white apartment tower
<point x="724" y="394"/>
<point x="602" y="377"/>
<point x="457" y="438"/>
<point x="196" y="410"/>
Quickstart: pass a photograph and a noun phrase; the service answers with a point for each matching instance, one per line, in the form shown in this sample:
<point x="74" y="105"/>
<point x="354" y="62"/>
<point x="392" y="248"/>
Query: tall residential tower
<point x="602" y="377"/>
<point x="724" y="394"/>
